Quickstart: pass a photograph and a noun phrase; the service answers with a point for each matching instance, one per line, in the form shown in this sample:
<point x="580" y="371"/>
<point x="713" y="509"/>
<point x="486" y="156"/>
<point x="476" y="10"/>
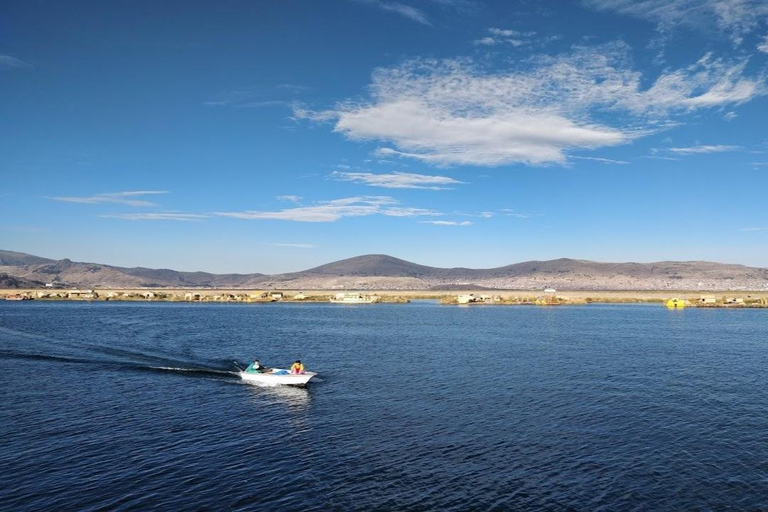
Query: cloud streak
<point x="334" y="210"/>
<point x="404" y="10"/>
<point x="514" y="38"/>
<point x="456" y="112"/>
<point x="734" y="17"/>
<point x="125" y="198"/>
<point x="173" y="216"/>
<point x="763" y="46"/>
<point x="601" y="160"/>
<point x="703" y="149"/>
<point x="447" y="222"/>
<point x="6" y="61"/>
<point x="398" y="180"/>
<point x="289" y="199"/>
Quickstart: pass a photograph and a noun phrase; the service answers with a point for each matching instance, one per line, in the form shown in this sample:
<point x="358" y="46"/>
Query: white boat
<point x="354" y="298"/>
<point x="276" y="377"/>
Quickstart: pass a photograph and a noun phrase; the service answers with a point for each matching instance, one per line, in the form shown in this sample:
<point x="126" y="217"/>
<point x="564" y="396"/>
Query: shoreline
<point x="721" y="298"/>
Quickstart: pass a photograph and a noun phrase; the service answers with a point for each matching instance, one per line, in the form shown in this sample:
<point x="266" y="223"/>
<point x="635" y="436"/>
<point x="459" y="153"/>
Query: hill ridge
<point x="385" y="272"/>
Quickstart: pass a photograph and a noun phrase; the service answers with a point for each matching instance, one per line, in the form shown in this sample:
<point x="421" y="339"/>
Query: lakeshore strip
<point x="730" y="298"/>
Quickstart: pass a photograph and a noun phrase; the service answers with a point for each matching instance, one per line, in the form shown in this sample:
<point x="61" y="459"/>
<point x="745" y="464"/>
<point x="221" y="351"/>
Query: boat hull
<point x="271" y="379"/>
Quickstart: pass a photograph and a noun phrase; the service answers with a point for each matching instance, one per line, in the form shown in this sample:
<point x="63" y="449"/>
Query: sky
<point x="275" y="136"/>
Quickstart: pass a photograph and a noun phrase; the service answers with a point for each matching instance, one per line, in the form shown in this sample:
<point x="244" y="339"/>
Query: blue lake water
<point x="418" y="407"/>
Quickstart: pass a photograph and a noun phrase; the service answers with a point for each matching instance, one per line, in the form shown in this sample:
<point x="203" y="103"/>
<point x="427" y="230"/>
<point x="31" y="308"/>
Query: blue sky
<point x="239" y="136"/>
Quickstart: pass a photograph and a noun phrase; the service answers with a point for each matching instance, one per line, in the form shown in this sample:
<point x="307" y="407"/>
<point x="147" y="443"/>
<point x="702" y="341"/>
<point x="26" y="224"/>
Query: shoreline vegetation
<point x="712" y="299"/>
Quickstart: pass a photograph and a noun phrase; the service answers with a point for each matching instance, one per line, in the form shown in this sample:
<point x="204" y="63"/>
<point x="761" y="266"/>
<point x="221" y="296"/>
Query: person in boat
<point x="256" y="367"/>
<point x="297" y="367"/>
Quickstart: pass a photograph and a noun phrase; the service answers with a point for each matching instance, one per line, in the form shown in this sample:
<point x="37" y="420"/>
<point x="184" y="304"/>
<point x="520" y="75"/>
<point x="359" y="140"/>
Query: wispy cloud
<point x="175" y="216"/>
<point x="601" y="160"/>
<point x="703" y="149"/>
<point x="407" y="11"/>
<point x="289" y="199"/>
<point x="509" y="37"/>
<point x="295" y="246"/>
<point x="655" y="156"/>
<point x="447" y="222"/>
<point x="753" y="229"/>
<point x="331" y="211"/>
<point x="398" y="180"/>
<point x="125" y="198"/>
<point x="763" y="46"/>
<point x="737" y="18"/>
<point x="457" y="112"/>
<point x="520" y="215"/>
<point x="246" y="104"/>
<point x="258" y="97"/>
<point x="482" y="215"/>
<point x="6" y="61"/>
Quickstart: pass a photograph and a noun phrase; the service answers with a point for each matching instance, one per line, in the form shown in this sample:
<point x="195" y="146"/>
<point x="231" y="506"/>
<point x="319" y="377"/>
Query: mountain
<point x="382" y="272"/>
<point x="94" y="275"/>
<point x="10" y="258"/>
<point x="377" y="271"/>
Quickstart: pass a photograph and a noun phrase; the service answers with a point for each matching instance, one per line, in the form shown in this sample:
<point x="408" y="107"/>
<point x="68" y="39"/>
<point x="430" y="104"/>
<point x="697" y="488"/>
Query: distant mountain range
<point x="381" y="272"/>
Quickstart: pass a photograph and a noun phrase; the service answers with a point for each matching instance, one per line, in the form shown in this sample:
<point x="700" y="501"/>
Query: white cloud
<point x="398" y="180"/>
<point x="703" y="149"/>
<point x="6" y="61"/>
<point x="737" y="18"/>
<point x="601" y="160"/>
<point x="447" y="222"/>
<point x="754" y="229"/>
<point x="763" y="47"/>
<point x="505" y="36"/>
<point x="295" y="246"/>
<point x="520" y="215"/>
<point x="290" y="199"/>
<point x="114" y="197"/>
<point x="331" y="211"/>
<point x="655" y="156"/>
<point x="246" y="104"/>
<point x="257" y="97"/>
<point x="509" y="33"/>
<point x="403" y="10"/>
<point x="730" y="116"/>
<point x="456" y="112"/>
<point x="184" y="217"/>
<point x="488" y="41"/>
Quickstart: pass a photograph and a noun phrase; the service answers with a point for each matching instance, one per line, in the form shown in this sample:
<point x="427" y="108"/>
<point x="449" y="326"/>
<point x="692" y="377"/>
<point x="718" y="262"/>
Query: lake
<point x="132" y="406"/>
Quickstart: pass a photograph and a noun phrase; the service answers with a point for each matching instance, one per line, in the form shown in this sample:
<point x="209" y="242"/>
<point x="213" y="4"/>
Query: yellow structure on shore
<point x="677" y="303"/>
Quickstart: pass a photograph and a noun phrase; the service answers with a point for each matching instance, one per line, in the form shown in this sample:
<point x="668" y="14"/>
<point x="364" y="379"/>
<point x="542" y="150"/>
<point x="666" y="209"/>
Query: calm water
<point x="131" y="406"/>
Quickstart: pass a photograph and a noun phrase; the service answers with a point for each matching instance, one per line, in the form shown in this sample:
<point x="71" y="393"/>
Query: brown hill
<point x="378" y="271"/>
<point x="93" y="275"/>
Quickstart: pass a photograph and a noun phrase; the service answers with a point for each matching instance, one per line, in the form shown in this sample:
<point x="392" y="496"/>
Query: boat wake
<point x="178" y="367"/>
<point x="23" y="346"/>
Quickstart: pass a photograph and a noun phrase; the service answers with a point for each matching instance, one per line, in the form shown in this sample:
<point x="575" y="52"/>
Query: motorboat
<point x="278" y="377"/>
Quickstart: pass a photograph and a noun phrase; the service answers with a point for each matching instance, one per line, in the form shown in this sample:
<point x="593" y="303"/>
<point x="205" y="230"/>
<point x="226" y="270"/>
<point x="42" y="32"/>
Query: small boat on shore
<point x="278" y="377"/>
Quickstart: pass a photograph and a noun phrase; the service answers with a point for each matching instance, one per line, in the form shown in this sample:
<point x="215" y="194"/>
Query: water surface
<point x="134" y="405"/>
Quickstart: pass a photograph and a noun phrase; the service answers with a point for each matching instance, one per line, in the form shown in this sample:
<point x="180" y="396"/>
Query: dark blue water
<point x="419" y="407"/>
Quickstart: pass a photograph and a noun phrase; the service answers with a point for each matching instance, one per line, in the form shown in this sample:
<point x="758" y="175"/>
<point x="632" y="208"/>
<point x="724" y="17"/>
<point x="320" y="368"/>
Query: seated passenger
<point x="297" y="367"/>
<point x="255" y="367"/>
